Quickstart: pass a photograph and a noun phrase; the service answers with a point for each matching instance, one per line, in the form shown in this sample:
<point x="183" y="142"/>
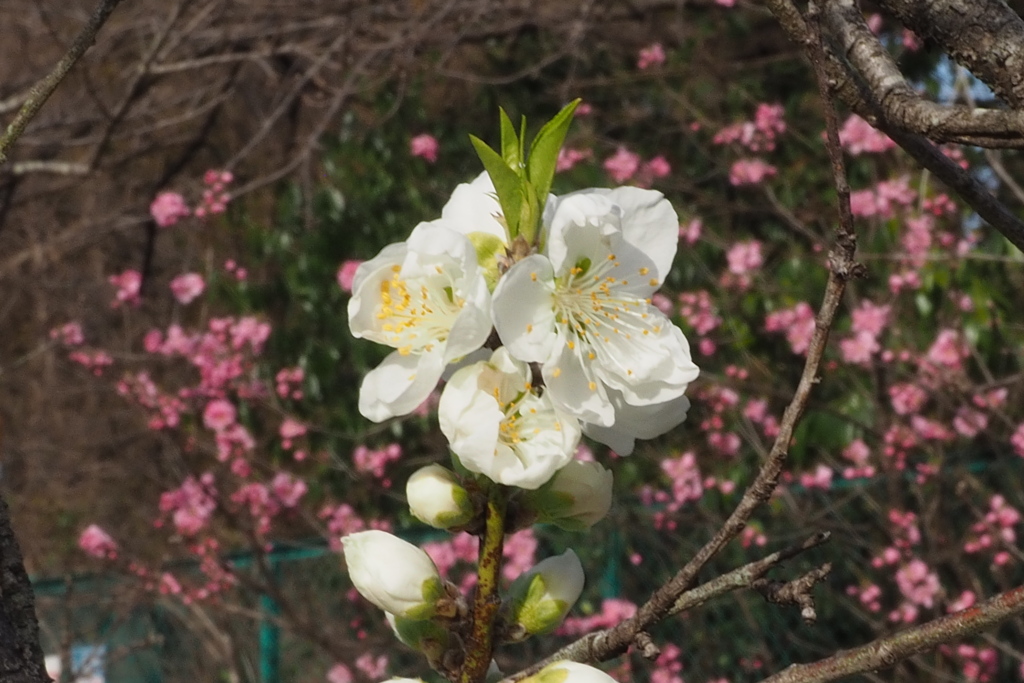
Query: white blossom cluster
<point x="542" y="328"/>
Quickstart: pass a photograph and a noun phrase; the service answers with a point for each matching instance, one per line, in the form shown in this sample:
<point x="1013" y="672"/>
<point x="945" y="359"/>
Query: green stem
<point x="480" y="647"/>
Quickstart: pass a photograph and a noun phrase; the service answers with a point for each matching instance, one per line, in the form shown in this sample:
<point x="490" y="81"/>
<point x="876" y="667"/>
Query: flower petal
<point x="638" y="422"/>
<point x="523" y="309"/>
<point x="399" y="384"/>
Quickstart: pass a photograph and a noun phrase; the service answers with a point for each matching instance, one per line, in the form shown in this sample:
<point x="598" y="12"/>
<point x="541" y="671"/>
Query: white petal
<point x="648" y="222"/>
<point x="469" y="417"/>
<point x="473" y="207"/>
<point x="389" y="255"/>
<point x="523" y="309"/>
<point x="638" y="422"/>
<point x="574" y="388"/>
<point x="399" y="384"/>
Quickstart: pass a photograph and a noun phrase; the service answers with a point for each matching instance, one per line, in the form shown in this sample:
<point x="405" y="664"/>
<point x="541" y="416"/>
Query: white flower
<point x="637" y="422"/>
<point x="540" y="598"/>
<point x="569" y="672"/>
<point x="393" y="574"/>
<point x="436" y="497"/>
<point x="426" y="298"/>
<point x="499" y="427"/>
<point x="583" y="310"/>
<point x="576" y="498"/>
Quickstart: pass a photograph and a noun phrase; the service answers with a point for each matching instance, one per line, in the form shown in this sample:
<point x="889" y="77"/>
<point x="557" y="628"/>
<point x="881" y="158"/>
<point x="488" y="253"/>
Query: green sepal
<point x="531" y="609"/>
<point x="507" y="184"/>
<point x="420" y="634"/>
<point x="543" y="159"/>
<point x="432" y="591"/>
<point x="488" y="248"/>
<point x="511" y="144"/>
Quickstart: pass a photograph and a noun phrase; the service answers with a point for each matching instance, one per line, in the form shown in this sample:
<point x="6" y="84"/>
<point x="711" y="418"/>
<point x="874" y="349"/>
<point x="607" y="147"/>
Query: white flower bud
<point x="569" y="672"/>
<point x="576" y="498"/>
<point x="393" y="574"/>
<point x="540" y="598"/>
<point x="436" y="498"/>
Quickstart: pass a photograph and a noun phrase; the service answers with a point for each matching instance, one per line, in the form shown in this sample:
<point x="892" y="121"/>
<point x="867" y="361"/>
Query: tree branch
<point x="21" y="655"/>
<point x="42" y="90"/>
<point x="885" y="652"/>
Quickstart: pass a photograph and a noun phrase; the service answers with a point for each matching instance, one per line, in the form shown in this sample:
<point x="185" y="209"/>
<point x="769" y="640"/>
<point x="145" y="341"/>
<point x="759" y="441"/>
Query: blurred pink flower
<point x="623" y="165"/>
<point x="652" y="55"/>
<point x="219" y="415"/>
<point x="339" y="673"/>
<point x="168" y="208"/>
<point x="346" y="273"/>
<point x="690" y="232"/>
<point x="857" y="136"/>
<point x="129" y="284"/>
<point x="744" y="257"/>
<point x="68" y="334"/>
<point x="97" y="543"/>
<point x="187" y="287"/>
<point x="569" y="157"/>
<point x="750" y="171"/>
<point x="424" y="146"/>
<point x="797" y="322"/>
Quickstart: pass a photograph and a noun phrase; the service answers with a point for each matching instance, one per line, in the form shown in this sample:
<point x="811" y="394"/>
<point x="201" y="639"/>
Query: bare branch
<point x="902" y="106"/>
<point x="42" y="90"/>
<point x="885" y="652"/>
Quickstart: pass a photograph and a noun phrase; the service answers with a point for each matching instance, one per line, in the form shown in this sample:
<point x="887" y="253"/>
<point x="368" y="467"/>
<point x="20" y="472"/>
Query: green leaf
<point x="511" y="145"/>
<point x="540" y="168"/>
<point x="507" y="184"/>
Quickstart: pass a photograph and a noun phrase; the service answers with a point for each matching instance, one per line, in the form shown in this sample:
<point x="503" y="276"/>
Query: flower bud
<point x="540" y="598"/>
<point x="393" y="574"/>
<point x="436" y="498"/>
<point x="576" y="498"/>
<point x="569" y="672"/>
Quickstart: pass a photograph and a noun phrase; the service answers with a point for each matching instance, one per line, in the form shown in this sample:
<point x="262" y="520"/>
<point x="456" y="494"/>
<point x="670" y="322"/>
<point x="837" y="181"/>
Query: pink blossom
<point x="797" y="322"/>
<point x="95" y="361"/>
<point x="519" y="552"/>
<point x="287" y="489"/>
<point x="623" y="165"/>
<point x="168" y="208"/>
<point x="69" y="334"/>
<point x="857" y="136"/>
<point x="424" y="146"/>
<point x="857" y="452"/>
<point x="658" y="167"/>
<point x="726" y="3"/>
<point x="966" y="599"/>
<point x="569" y="157"/>
<point x="968" y="422"/>
<point x="918" y="584"/>
<point x="930" y="429"/>
<point x="584" y="109"/>
<point x="744" y="257"/>
<point x="907" y="398"/>
<point x="690" y="232"/>
<point x="129" y="284"/>
<point x="652" y="55"/>
<point x="187" y="287"/>
<point x="869" y="318"/>
<point x="686" y="479"/>
<point x="1017" y="440"/>
<point x="820" y="478"/>
<point x="947" y="350"/>
<point x="859" y="348"/>
<point x="373" y="668"/>
<point x="219" y="415"/>
<point x="191" y="505"/>
<point x="339" y="673"/>
<point x="96" y="542"/>
<point x="347" y="273"/>
<point x="750" y="171"/>
<point x="291" y="428"/>
<point x="911" y="43"/>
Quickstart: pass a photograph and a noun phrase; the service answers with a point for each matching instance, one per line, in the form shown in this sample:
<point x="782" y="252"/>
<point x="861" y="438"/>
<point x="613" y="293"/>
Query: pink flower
<point x="584" y="109"/>
<point x="652" y="55"/>
<point x="347" y="273"/>
<point x="187" y="287"/>
<point x="623" y="165"/>
<point x="129" y="284"/>
<point x="191" y="505"/>
<point x="97" y="543"/>
<point x="291" y="428"/>
<point x="424" y="146"/>
<point x="658" y="167"/>
<point x="907" y="398"/>
<point x="168" y="208"/>
<point x="966" y="599"/>
<point x="69" y="334"/>
<point x="690" y="232"/>
<point x="219" y="415"/>
<point x="859" y="348"/>
<point x="726" y="3"/>
<point x="796" y="322"/>
<point x="744" y="257"/>
<point x="947" y="350"/>
<point x="569" y="157"/>
<point x="869" y="318"/>
<point x="1017" y="440"/>
<point x="287" y="489"/>
<point x="857" y="136"/>
<point x="968" y="422"/>
<point x="339" y="673"/>
<point x="750" y="171"/>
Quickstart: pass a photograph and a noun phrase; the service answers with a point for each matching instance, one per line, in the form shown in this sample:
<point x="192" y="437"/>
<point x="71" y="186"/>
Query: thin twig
<point x="42" y="90"/>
